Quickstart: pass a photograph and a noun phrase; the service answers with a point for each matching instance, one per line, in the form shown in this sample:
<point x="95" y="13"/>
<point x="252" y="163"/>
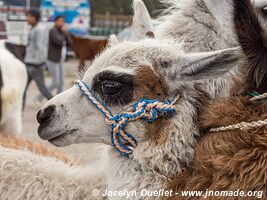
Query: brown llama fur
<point x="230" y="160"/>
<point x="9" y="141"/>
<point x="233" y="160"/>
<point x="148" y="83"/>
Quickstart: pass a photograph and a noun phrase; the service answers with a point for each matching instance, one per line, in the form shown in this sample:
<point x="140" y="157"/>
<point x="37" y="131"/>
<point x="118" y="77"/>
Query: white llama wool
<point x="204" y="25"/>
<point x="14" y="76"/>
<point x="153" y="159"/>
<point x="120" y="76"/>
<point x="25" y="175"/>
<point x="201" y="25"/>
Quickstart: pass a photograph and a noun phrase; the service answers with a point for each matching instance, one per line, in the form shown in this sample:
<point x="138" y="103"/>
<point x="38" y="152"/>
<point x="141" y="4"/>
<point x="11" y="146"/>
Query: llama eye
<point x="110" y="87"/>
<point x="113" y="88"/>
<point x="264" y="10"/>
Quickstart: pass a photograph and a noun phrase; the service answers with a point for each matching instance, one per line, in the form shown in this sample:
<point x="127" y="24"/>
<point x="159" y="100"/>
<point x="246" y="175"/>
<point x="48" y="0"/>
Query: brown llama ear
<point x="207" y="65"/>
<point x="142" y="23"/>
<point x="253" y="41"/>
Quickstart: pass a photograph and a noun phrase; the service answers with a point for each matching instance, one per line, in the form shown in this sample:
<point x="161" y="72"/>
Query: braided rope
<point x="94" y="100"/>
<point x="259" y="97"/>
<point x="148" y="110"/>
<point x="244" y="126"/>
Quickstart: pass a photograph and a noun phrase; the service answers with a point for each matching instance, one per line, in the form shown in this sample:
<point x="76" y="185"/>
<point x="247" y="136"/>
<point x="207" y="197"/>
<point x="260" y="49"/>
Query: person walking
<point x="58" y="38"/>
<point x="36" y="54"/>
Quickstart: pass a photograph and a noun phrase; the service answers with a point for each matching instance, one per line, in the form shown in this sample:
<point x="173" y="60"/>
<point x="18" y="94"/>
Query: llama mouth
<point x="53" y="135"/>
<point x="61" y="140"/>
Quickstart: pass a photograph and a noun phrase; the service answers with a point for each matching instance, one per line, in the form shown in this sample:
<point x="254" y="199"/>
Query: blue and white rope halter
<point x="146" y="109"/>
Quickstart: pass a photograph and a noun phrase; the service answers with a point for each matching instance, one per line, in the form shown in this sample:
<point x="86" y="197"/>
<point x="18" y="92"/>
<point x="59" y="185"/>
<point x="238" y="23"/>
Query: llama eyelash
<point x="82" y="71"/>
<point x="119" y="101"/>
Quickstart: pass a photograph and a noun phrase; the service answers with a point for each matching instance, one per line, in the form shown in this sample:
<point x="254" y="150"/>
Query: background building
<point x="76" y="12"/>
<point x="83" y="17"/>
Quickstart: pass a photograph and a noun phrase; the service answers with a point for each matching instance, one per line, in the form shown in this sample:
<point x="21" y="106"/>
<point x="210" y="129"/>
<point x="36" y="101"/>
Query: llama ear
<point x="199" y="66"/>
<point x="222" y="11"/>
<point x="142" y="23"/>
<point x="113" y="40"/>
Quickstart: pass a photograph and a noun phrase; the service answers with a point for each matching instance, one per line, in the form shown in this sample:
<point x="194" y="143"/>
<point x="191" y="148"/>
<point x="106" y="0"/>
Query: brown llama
<point x="87" y="48"/>
<point x="234" y="158"/>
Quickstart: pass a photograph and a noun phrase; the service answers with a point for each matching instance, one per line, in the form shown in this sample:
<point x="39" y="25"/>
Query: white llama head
<point x="123" y="74"/>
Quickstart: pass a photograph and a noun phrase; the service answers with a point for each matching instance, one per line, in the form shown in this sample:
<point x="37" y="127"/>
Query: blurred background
<point x="83" y="17"/>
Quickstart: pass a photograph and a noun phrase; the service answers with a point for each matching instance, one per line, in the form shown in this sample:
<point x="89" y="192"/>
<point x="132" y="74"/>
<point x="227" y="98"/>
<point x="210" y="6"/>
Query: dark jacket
<point x="56" y="42"/>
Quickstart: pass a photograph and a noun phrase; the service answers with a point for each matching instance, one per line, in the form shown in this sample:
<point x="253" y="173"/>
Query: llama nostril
<point x="45" y="115"/>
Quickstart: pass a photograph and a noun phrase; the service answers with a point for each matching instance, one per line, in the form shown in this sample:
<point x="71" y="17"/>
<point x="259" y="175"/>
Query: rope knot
<point x="150" y="110"/>
<point x="146" y="109"/>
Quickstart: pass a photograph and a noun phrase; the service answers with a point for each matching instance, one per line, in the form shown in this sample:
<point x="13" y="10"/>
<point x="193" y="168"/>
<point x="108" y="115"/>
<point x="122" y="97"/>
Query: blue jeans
<point x="36" y="73"/>
<point x="55" y="69"/>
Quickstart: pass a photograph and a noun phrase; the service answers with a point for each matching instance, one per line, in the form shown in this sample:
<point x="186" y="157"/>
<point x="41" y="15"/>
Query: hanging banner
<point x="77" y="14"/>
